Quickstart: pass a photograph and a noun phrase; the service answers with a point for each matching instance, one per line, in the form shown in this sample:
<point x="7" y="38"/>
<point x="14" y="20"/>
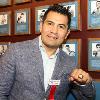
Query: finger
<point x="77" y="75"/>
<point x="84" y="79"/>
<point x="87" y="78"/>
<point x="73" y="75"/>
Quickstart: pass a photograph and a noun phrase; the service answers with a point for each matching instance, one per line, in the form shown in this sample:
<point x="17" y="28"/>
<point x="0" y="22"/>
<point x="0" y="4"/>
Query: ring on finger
<point x="80" y="76"/>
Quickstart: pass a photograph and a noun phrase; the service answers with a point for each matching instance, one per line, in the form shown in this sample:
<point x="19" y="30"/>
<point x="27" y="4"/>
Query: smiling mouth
<point x="52" y="36"/>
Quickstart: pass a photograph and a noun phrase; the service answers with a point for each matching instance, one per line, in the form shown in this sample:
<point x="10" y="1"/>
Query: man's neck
<point x="50" y="51"/>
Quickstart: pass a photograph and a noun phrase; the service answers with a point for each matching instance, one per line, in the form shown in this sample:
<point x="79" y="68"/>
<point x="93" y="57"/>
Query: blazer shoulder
<point x="25" y="44"/>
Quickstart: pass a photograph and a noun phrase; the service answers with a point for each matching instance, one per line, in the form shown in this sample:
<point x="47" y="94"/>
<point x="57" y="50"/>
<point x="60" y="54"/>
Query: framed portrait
<point x="93" y="14"/>
<point x="5" y="28"/>
<point x="3" y="47"/>
<point x="21" y="1"/>
<point x="74" y="8"/>
<point x="72" y="48"/>
<point x="94" y="54"/>
<point x="5" y="2"/>
<point x="39" y="12"/>
<point x="22" y="21"/>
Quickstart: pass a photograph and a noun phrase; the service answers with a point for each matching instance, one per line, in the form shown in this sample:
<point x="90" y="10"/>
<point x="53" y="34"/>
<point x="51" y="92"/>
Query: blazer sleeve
<point x="7" y="73"/>
<point x="86" y="92"/>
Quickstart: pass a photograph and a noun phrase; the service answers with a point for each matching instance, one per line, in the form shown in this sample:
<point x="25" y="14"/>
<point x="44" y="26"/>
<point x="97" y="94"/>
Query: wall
<point x="82" y="34"/>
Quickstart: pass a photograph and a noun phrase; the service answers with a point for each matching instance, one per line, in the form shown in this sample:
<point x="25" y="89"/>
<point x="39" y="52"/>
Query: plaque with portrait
<point x="74" y="8"/>
<point x="93" y="14"/>
<point x="5" y="23"/>
<point x="3" y="47"/>
<point x="22" y="21"/>
<point x="39" y="12"/>
<point x="94" y="54"/>
<point x="5" y="2"/>
<point x="72" y="48"/>
<point x="21" y="1"/>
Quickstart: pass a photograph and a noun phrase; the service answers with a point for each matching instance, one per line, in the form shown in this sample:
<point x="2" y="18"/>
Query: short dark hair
<point x="97" y="45"/>
<point x="59" y="9"/>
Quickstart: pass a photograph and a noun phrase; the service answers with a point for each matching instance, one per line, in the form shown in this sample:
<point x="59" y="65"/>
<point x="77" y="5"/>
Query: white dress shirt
<point x="48" y="63"/>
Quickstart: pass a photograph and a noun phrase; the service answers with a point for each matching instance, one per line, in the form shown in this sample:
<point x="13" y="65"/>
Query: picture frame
<point x="5" y="2"/>
<point x="22" y="21"/>
<point x="72" y="47"/>
<point x="21" y="1"/>
<point x="38" y="0"/>
<point x="3" y="47"/>
<point x="93" y="14"/>
<point x="39" y="12"/>
<point x="5" y="23"/>
<point x="74" y="8"/>
<point x="93" y="54"/>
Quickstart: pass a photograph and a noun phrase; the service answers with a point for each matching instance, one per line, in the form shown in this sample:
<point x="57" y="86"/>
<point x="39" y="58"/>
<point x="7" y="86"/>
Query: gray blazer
<point x="21" y="75"/>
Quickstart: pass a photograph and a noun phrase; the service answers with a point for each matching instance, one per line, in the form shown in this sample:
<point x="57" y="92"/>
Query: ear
<point x="68" y="32"/>
<point x="41" y="23"/>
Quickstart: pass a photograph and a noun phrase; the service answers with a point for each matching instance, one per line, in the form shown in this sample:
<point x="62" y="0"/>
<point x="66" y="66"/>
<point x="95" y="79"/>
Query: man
<point x="41" y="15"/>
<point x="97" y="11"/>
<point x="3" y="20"/>
<point x="21" y="18"/>
<point x="27" y="68"/>
<point x="67" y="49"/>
<point x="96" y="53"/>
<point x="2" y="49"/>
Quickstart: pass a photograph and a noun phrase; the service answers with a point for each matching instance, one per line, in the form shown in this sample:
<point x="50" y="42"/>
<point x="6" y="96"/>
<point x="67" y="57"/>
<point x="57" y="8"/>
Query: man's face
<point x="54" y="30"/>
<point x="1" y="49"/>
<point x="98" y="48"/>
<point x="98" y="4"/>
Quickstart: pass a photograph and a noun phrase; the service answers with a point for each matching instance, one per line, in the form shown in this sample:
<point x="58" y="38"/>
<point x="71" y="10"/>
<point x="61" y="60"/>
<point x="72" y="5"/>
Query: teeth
<point x="52" y="36"/>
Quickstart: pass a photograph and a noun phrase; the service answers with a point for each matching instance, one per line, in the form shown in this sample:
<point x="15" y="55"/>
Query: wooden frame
<point x="93" y="54"/>
<point x="5" y="2"/>
<point x="93" y="15"/>
<point x="73" y="48"/>
<point x="74" y="8"/>
<point x="22" y="21"/>
<point x="39" y="12"/>
<point x="21" y="1"/>
<point x="5" y="22"/>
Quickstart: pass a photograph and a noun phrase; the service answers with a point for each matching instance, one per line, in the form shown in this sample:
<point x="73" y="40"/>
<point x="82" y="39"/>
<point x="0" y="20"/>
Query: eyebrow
<point x="58" y="24"/>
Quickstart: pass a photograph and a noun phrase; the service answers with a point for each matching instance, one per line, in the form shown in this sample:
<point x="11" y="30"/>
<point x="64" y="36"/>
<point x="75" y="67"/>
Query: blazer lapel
<point x="60" y="69"/>
<point x="57" y="71"/>
<point x="38" y="62"/>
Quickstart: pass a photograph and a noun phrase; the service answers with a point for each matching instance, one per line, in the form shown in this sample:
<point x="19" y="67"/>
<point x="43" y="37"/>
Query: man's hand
<point x="78" y="76"/>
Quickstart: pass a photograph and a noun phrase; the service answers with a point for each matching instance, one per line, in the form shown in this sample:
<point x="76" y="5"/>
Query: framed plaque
<point x="74" y="8"/>
<point x="22" y="21"/>
<point x="21" y="1"/>
<point x="3" y="47"/>
<point x="5" y="2"/>
<point x="93" y="14"/>
<point x="5" y="23"/>
<point x="94" y="54"/>
<point x="39" y="12"/>
<point x="72" y="48"/>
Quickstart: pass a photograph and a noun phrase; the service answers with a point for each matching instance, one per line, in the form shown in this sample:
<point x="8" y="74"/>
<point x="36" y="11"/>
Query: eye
<point x="49" y="23"/>
<point x="62" y="27"/>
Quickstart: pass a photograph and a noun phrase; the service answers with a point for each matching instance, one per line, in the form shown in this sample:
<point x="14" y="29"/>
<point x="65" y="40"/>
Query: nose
<point x="54" y="29"/>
